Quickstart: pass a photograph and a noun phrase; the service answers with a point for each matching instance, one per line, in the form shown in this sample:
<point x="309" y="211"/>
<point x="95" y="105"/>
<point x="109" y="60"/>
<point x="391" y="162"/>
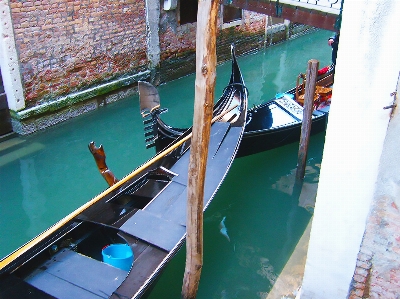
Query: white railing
<point x="329" y="6"/>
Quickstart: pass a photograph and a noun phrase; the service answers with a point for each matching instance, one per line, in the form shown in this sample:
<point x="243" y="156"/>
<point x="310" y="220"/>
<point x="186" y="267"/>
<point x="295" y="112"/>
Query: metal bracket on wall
<point x="394" y="105"/>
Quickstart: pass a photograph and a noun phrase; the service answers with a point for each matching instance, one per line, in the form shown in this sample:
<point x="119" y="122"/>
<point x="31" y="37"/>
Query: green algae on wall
<point x="74" y="98"/>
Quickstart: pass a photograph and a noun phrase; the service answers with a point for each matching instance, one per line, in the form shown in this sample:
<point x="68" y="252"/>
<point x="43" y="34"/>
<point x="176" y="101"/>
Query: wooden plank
<point x="166" y="198"/>
<point x="72" y="275"/>
<point x="60" y="288"/>
<point x="14" y="287"/>
<point x="218" y="131"/>
<point x="141" y="274"/>
<point x="311" y="79"/>
<point x="154" y="230"/>
<point x="177" y="211"/>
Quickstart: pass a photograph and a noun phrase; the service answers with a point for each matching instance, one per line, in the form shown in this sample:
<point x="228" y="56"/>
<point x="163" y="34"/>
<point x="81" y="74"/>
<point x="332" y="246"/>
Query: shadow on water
<point x="264" y="222"/>
<point x="264" y="215"/>
<point x="47" y="175"/>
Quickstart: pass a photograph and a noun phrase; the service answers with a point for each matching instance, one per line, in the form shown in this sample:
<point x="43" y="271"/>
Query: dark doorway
<point x="231" y="14"/>
<point x="188" y="11"/>
<point x="5" y="118"/>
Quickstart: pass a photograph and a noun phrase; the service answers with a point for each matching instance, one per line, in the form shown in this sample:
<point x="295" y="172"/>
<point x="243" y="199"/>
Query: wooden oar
<point x="24" y="248"/>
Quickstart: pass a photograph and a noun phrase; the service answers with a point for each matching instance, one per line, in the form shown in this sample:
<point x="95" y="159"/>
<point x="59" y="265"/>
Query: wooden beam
<point x="206" y="60"/>
<point x="311" y="80"/>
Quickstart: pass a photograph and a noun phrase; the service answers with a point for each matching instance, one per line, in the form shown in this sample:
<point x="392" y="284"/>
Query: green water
<point x="47" y="175"/>
<point x="264" y="223"/>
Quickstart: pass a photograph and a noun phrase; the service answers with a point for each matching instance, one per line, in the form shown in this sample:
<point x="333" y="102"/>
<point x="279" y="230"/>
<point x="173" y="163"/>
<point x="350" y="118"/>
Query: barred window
<point x="231" y="14"/>
<point x="188" y="11"/>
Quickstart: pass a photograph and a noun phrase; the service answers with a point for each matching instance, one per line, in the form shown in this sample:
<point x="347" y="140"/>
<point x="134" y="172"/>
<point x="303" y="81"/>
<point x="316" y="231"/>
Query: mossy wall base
<point x="50" y="113"/>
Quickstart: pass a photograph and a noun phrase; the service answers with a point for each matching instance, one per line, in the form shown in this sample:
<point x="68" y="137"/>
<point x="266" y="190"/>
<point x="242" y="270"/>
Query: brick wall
<point x="66" y="45"/>
<point x="247" y="37"/>
<point x="178" y="43"/>
<point x="177" y="46"/>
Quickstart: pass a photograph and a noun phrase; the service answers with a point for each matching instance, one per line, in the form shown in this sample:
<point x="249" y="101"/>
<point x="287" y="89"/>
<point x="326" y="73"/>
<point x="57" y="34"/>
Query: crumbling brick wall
<point x="67" y="45"/>
<point x="178" y="42"/>
<point x="247" y="37"/>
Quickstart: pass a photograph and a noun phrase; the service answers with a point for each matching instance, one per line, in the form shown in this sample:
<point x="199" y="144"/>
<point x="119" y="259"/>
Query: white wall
<point x="152" y="24"/>
<point x="367" y="70"/>
<point x="9" y="60"/>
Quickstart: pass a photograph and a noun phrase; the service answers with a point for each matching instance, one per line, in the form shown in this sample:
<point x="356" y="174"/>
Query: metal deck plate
<point x="154" y="230"/>
<point x="72" y="275"/>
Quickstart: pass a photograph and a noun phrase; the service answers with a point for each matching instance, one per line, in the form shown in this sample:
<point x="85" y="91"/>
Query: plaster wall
<point x="9" y="60"/>
<point x="367" y="70"/>
<point x="153" y="40"/>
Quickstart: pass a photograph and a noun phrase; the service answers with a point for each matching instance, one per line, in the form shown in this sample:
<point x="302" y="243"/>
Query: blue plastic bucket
<point x="118" y="255"/>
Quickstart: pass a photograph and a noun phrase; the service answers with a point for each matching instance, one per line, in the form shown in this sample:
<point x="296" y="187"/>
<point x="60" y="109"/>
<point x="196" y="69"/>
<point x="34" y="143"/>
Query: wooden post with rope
<point x="311" y="79"/>
<point x="203" y="108"/>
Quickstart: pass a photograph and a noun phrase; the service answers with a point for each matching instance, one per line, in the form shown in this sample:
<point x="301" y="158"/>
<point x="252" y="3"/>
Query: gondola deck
<point x="146" y="210"/>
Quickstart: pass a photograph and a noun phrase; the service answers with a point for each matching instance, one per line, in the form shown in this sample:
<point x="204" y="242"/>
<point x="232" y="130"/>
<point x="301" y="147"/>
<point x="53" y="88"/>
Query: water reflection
<point x="223" y="230"/>
<point x="19" y="153"/>
<point x="306" y="190"/>
<point x="263" y="218"/>
<point x="278" y="81"/>
<point x="33" y="200"/>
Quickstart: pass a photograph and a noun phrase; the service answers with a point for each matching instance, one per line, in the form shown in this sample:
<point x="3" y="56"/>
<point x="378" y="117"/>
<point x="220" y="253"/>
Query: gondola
<point x="117" y="244"/>
<point x="270" y="124"/>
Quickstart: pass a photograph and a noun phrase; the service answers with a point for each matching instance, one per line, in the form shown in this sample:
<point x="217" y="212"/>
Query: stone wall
<point x="178" y="42"/>
<point x="73" y="56"/>
<point x="177" y="47"/>
<point x="247" y="37"/>
<point x="65" y="46"/>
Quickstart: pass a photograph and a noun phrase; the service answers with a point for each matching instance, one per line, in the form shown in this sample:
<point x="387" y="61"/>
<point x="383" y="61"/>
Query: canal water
<point x="47" y="175"/>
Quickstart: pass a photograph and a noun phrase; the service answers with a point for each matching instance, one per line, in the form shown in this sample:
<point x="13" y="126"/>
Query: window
<point x="188" y="11"/>
<point x="231" y="14"/>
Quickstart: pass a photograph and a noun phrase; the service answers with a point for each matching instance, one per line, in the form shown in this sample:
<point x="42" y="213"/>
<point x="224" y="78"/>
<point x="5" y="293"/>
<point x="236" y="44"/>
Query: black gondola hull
<point x="257" y="142"/>
<point x="261" y="133"/>
<point x="145" y="210"/>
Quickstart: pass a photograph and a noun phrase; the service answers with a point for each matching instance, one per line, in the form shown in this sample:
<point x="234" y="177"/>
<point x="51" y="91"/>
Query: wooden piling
<point x="204" y="99"/>
<point x="311" y="79"/>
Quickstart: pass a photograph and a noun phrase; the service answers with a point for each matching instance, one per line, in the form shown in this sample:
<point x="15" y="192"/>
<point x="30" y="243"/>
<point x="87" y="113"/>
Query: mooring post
<point x="311" y="79"/>
<point x="203" y="108"/>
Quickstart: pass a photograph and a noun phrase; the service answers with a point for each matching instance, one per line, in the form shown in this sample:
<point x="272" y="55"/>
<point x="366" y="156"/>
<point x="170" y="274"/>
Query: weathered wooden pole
<point x="311" y="79"/>
<point x="203" y="107"/>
